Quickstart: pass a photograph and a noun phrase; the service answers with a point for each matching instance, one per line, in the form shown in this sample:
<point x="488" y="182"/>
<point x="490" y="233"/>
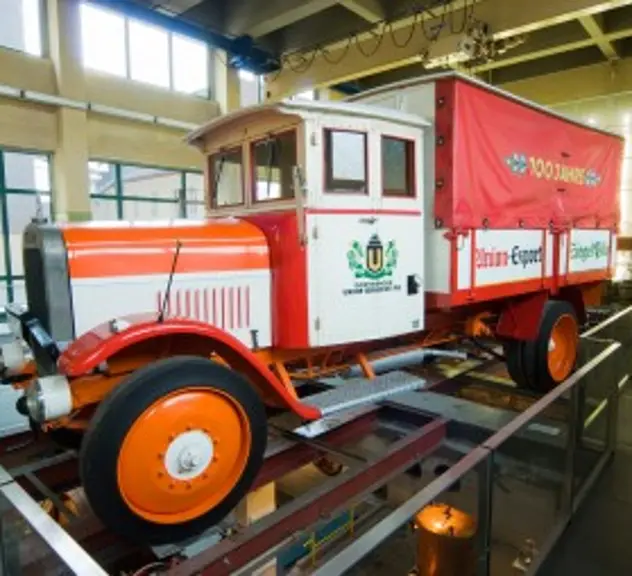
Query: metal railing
<point x="590" y="430"/>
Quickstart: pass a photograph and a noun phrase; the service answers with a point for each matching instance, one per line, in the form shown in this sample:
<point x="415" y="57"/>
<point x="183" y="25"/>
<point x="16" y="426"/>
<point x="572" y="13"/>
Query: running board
<point x="358" y="391"/>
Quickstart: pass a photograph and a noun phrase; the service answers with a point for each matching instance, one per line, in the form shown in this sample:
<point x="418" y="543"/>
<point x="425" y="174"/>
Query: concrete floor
<point x="598" y="542"/>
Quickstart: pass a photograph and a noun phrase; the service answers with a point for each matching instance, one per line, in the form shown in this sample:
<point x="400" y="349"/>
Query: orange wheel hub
<point x="563" y="347"/>
<point x="183" y="455"/>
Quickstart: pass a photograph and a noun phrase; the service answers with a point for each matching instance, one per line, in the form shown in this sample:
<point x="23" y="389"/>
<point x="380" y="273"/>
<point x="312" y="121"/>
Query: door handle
<point x="369" y="220"/>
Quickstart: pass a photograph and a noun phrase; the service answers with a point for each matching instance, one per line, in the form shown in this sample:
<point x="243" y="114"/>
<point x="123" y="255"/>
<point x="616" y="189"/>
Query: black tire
<point x="527" y="361"/>
<point x="114" y="418"/>
<point x="514" y="350"/>
<point x="536" y="353"/>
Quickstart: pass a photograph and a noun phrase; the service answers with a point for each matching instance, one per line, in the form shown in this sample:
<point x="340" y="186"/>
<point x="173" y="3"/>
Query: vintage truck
<point x="337" y="233"/>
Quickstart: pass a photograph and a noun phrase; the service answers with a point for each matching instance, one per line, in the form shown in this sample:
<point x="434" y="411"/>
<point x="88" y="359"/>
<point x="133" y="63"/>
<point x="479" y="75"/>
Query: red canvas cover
<point x="504" y="164"/>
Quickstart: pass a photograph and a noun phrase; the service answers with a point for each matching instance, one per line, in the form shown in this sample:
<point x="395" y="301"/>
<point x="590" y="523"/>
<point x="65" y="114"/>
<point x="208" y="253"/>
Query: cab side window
<point x="273" y="161"/>
<point x="346" y="162"/>
<point x="398" y="167"/>
<point x="226" y="178"/>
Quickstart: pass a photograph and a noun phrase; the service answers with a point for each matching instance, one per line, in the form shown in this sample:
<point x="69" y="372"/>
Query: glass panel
<point x="141" y="210"/>
<point x="22" y="208"/>
<point x="196" y="211"/>
<point x="104" y="209"/>
<point x="20" y="26"/>
<point x="32" y="27"/>
<point x="249" y="88"/>
<point x="103" y="40"/>
<point x="19" y="291"/>
<point x="190" y="65"/>
<point x="3" y="296"/>
<point x="148" y="183"/>
<point x="26" y="171"/>
<point x="530" y="471"/>
<point x="227" y="184"/>
<point x="397" y="167"/>
<point x="148" y="54"/>
<point x="195" y="195"/>
<point x="194" y="183"/>
<point x="274" y="160"/>
<point x="345" y="156"/>
<point x="102" y="178"/>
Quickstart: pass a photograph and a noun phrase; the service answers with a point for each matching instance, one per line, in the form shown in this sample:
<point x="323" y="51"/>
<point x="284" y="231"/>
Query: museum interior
<point x="315" y="287"/>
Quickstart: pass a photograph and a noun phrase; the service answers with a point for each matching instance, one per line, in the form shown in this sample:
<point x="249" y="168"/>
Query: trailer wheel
<point x="545" y="362"/>
<point x="173" y="449"/>
<point x="514" y="353"/>
<point x="551" y="358"/>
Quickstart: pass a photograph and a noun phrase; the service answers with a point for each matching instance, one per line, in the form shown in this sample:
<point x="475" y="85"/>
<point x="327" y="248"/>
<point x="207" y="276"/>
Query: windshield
<point x="226" y="171"/>
<point x="274" y="159"/>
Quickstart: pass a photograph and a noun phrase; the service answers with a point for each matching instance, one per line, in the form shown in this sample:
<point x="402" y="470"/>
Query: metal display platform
<point x="457" y="432"/>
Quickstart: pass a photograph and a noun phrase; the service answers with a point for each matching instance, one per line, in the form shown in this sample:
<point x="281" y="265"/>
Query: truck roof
<point x="303" y="108"/>
<point x="475" y="81"/>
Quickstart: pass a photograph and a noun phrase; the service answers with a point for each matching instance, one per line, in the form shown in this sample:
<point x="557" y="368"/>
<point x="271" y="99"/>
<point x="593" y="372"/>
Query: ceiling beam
<point x="575" y="84"/>
<point x="593" y="24"/>
<point x="271" y="15"/>
<point x="539" y="48"/>
<point x="369" y="10"/>
<point x="501" y="16"/>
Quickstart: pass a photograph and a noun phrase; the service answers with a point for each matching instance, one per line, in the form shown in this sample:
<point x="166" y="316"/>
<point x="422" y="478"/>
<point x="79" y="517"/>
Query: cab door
<point x="342" y="229"/>
<point x="400" y="230"/>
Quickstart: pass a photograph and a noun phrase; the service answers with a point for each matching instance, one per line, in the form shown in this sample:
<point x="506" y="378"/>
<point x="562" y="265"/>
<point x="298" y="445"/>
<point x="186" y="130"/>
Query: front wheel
<point x="547" y="361"/>
<point x="173" y="449"/>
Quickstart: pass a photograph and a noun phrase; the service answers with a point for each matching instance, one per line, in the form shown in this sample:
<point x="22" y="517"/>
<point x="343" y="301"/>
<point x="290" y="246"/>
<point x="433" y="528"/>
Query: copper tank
<point x="445" y="542"/>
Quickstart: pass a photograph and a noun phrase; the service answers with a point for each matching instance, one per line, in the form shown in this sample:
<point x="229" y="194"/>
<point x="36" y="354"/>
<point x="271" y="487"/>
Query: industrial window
<point x="149" y="54"/>
<point x="226" y="178"/>
<point x="20" y="26"/>
<point x="250" y="88"/>
<point x="143" y="192"/>
<point x="194" y="195"/>
<point x="273" y="161"/>
<point x="102" y="176"/>
<point x="398" y="167"/>
<point x="25" y="193"/>
<point x="116" y="44"/>
<point x="190" y="65"/>
<point x="346" y="161"/>
<point x="103" y="40"/>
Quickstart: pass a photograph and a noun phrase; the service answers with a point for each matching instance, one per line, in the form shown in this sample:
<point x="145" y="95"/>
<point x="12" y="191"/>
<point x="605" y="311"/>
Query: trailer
<point x="338" y="235"/>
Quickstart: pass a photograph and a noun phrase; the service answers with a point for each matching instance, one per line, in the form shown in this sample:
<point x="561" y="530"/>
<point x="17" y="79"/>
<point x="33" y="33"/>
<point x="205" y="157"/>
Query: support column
<point x="71" y="186"/>
<point x="226" y="82"/>
<point x="254" y="506"/>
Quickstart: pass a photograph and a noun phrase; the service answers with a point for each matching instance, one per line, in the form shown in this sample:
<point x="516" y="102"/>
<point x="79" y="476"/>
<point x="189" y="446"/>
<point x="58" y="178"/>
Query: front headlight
<point x="48" y="398"/>
<point x="34" y="403"/>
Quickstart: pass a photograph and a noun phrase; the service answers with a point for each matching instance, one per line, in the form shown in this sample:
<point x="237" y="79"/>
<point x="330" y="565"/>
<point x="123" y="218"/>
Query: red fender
<point x="520" y="317"/>
<point x="96" y="346"/>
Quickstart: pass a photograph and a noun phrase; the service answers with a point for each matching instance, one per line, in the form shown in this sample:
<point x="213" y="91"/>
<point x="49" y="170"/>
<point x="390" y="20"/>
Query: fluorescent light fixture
<point x="175" y="124"/>
<point x="120" y="113"/>
<point x="10" y="91"/>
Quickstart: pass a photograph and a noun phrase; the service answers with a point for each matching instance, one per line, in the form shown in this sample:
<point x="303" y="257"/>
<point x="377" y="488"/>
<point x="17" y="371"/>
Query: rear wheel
<point x="514" y="353"/>
<point x="545" y="362"/>
<point x="173" y="449"/>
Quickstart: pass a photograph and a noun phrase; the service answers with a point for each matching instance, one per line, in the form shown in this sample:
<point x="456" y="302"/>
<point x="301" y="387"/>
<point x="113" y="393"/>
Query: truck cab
<point x="338" y="189"/>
